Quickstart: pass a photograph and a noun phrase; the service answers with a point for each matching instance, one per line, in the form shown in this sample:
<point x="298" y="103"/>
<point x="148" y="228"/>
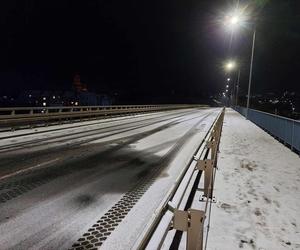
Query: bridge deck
<point x="96" y="183"/>
<point x="257" y="190"/>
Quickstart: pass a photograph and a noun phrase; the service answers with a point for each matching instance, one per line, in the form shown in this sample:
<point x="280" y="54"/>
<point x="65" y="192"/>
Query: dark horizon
<point x="163" y="51"/>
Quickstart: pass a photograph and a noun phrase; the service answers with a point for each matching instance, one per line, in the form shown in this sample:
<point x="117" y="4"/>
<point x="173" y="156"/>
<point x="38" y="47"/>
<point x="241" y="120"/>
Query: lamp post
<point x="234" y="21"/>
<point x="237" y="87"/>
<point x="250" y="73"/>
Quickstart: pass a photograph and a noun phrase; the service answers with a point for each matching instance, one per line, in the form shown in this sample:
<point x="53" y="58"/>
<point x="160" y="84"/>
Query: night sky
<point x="150" y="51"/>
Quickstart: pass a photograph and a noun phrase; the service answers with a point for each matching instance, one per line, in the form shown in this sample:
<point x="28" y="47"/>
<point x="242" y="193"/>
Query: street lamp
<point x="235" y="18"/>
<point x="230" y="66"/>
<point x="234" y="21"/>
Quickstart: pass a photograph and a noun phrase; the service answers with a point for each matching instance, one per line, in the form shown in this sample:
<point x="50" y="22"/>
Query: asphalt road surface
<point x="95" y="183"/>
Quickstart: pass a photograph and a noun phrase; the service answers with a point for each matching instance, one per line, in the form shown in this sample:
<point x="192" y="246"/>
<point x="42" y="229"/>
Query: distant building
<point x="61" y="98"/>
<point x="78" y="96"/>
<point x="78" y="85"/>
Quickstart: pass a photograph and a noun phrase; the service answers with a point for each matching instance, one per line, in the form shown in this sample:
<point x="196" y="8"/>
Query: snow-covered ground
<point x="257" y="190"/>
<point x="77" y="174"/>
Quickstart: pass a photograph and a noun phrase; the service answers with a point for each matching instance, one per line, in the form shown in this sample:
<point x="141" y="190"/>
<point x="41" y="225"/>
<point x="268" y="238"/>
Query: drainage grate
<point x="98" y="233"/>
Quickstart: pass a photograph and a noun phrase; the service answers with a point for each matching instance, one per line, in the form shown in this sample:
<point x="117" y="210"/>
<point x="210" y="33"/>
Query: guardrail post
<point x="212" y="145"/>
<point x="207" y="167"/>
<point x="192" y="222"/>
<point x="216" y="133"/>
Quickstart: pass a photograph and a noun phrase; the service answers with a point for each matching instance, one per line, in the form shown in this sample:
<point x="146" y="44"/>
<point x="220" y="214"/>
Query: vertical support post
<point x="237" y="88"/>
<point x="192" y="222"/>
<point x="250" y="74"/>
<point x="207" y="167"/>
<point x="195" y="230"/>
<point x="212" y="146"/>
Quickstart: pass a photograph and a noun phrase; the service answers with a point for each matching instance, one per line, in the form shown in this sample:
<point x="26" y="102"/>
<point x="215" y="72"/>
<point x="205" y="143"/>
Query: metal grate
<point x="98" y="233"/>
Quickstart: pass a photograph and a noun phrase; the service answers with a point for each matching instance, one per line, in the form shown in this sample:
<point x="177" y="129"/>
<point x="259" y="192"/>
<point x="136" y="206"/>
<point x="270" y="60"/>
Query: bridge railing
<point x="20" y="116"/>
<point x="285" y="129"/>
<point x="198" y="175"/>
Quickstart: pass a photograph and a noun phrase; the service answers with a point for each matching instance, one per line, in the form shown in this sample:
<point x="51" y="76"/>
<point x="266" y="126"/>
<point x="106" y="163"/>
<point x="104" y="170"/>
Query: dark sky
<point x="155" y="49"/>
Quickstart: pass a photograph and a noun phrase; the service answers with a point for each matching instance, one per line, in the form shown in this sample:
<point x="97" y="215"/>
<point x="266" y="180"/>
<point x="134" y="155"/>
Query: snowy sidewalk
<point x="257" y="190"/>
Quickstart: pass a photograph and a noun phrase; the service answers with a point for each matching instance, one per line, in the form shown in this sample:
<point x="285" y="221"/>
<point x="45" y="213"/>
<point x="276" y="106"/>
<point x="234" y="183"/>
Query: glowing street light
<point x="228" y="79"/>
<point x="230" y="65"/>
<point x="227" y="86"/>
<point x="235" y="20"/>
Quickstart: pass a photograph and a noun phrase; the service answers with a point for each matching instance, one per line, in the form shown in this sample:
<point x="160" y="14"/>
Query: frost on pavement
<point x="257" y="190"/>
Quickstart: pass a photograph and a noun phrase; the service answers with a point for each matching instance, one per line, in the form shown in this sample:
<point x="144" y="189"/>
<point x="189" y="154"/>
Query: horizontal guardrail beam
<point x="169" y="216"/>
<point x="21" y="116"/>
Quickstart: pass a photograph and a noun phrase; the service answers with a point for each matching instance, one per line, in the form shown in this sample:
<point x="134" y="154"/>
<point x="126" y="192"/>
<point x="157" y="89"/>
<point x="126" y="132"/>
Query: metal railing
<point x="170" y="214"/>
<point x="285" y="129"/>
<point x="20" y="116"/>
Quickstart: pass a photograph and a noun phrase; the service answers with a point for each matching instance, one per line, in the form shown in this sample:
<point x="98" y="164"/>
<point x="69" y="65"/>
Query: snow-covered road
<point x="94" y="183"/>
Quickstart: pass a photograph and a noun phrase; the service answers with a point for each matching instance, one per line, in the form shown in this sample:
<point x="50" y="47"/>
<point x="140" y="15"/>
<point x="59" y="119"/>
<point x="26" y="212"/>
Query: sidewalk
<point x="257" y="189"/>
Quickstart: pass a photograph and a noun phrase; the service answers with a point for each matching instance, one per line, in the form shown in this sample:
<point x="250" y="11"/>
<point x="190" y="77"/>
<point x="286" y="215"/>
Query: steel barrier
<point x="19" y="116"/>
<point x="169" y="215"/>
<point x="285" y="129"/>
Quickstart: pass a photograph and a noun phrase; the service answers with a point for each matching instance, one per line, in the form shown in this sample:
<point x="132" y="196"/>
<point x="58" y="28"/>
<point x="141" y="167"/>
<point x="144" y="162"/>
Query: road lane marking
<point x="28" y="169"/>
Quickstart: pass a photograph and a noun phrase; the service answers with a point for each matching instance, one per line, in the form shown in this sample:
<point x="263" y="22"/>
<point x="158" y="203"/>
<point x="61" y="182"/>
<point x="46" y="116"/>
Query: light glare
<point x="234" y="20"/>
<point x="230" y="65"/>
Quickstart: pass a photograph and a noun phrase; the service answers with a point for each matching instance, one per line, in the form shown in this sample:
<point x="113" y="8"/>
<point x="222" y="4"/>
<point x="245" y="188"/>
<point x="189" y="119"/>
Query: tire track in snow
<point x="100" y="231"/>
<point x="17" y="188"/>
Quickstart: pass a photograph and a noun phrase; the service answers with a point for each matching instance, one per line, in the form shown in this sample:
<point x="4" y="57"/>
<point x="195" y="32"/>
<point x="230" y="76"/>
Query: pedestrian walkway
<point x="257" y="190"/>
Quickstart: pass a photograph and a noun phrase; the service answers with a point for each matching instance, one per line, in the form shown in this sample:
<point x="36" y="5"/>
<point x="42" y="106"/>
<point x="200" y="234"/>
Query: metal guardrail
<point x="285" y="129"/>
<point x="19" y="116"/>
<point x="170" y="214"/>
